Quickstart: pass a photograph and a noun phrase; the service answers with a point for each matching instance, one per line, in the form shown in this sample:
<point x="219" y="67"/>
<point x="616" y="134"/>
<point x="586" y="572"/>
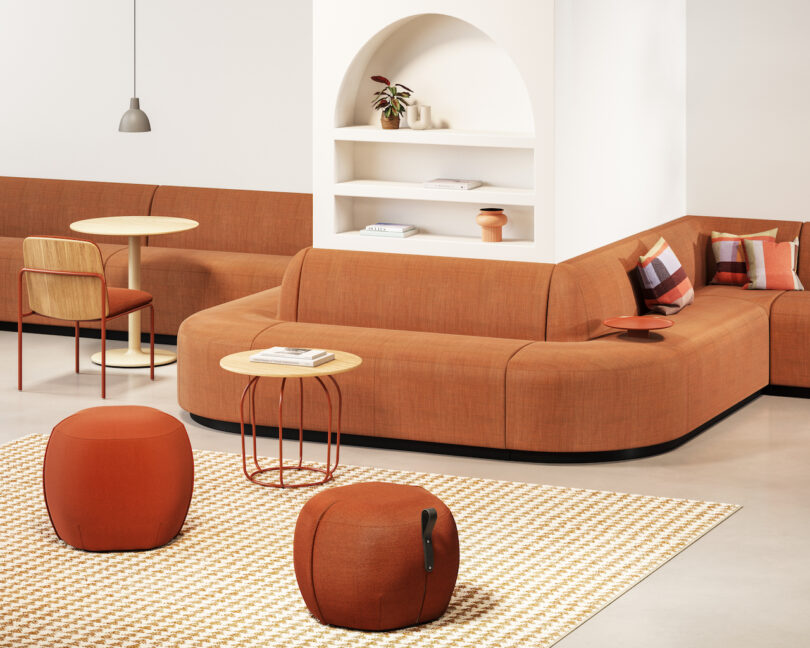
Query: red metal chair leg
<point x="77" y="347"/>
<point x="104" y="357"/>
<point x="19" y="330"/>
<point x="19" y="352"/>
<point x="151" y="342"/>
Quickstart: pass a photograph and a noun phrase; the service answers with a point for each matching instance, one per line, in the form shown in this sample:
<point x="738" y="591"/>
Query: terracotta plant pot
<point x="389" y="122"/>
<point x="491" y="220"/>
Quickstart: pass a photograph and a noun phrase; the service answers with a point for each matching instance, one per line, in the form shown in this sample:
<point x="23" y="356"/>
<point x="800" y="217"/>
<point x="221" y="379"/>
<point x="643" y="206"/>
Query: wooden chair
<point x="65" y="280"/>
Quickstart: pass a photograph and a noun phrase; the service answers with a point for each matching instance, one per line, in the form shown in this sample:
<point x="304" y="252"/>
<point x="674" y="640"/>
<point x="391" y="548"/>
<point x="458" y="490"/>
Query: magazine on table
<point x="296" y="356"/>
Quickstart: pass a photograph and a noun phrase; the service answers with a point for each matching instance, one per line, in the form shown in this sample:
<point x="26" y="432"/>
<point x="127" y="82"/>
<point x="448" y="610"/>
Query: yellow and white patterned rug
<point x="536" y="561"/>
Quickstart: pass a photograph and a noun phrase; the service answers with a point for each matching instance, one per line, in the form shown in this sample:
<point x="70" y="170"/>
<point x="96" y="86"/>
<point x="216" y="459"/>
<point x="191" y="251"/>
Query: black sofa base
<point x="473" y="451"/>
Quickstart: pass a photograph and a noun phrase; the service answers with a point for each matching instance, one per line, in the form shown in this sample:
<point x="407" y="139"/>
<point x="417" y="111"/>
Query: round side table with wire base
<point x="240" y="363"/>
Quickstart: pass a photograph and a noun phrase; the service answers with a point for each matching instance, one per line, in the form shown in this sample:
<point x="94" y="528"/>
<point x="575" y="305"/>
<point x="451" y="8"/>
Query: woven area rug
<point x="536" y="561"/>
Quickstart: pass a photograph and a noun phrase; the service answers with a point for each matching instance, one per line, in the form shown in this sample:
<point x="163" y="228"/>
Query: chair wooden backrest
<point x="63" y="296"/>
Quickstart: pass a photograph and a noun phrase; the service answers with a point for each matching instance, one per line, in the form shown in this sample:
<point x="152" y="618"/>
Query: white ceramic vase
<point x="418" y="117"/>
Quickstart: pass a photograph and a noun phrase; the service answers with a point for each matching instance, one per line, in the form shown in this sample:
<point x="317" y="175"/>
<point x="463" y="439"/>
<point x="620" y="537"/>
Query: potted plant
<point x="391" y="100"/>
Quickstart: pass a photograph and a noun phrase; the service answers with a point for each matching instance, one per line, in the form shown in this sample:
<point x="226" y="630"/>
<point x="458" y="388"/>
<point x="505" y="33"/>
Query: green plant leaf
<point x="404" y="94"/>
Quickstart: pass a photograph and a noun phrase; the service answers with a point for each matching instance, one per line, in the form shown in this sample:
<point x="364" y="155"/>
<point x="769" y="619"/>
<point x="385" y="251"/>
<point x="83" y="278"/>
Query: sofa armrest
<point x="209" y="335"/>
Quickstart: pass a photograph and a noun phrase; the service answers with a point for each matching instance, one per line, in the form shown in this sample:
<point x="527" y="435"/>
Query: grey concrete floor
<point x="746" y="583"/>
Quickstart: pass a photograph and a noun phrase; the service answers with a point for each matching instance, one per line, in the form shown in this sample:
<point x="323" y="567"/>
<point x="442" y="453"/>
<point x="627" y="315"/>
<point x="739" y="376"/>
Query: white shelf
<point x="438" y="244"/>
<point x="485" y="194"/>
<point x="434" y="136"/>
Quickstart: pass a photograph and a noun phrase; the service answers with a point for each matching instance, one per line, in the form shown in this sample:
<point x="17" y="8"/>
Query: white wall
<point x="620" y="119"/>
<point x="749" y="108"/>
<point x="226" y="85"/>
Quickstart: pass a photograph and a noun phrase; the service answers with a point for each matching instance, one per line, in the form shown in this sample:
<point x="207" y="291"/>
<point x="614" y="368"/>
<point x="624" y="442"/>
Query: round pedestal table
<point x="135" y="228"/>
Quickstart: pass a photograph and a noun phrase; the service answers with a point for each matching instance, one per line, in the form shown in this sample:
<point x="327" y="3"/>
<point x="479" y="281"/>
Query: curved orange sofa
<point x="243" y="244"/>
<point x="513" y="356"/>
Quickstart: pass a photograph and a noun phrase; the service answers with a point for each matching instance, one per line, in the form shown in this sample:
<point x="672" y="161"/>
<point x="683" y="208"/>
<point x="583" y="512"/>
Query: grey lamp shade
<point x="134" y="119"/>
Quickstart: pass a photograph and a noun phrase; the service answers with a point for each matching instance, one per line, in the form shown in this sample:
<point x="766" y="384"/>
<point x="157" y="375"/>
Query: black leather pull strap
<point x="428" y="522"/>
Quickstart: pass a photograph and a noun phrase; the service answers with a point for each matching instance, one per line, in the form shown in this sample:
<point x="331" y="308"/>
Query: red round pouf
<point x="118" y="478"/>
<point x="361" y="560"/>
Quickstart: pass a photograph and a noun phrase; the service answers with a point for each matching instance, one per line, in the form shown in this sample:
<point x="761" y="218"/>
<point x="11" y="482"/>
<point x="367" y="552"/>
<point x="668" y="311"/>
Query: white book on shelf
<point x="451" y="183"/>
<point x="390" y="227"/>
<point x="394" y="234"/>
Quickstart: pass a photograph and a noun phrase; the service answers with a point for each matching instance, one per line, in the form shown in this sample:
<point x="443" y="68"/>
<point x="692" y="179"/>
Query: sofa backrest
<point x="603" y="283"/>
<point x="232" y="220"/>
<point x="34" y="206"/>
<point x="504" y="299"/>
<point x="704" y="225"/>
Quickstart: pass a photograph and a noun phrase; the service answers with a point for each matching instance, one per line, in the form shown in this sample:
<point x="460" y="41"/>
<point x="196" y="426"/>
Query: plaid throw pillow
<point x="666" y="288"/>
<point x="772" y="266"/>
<point x="729" y="255"/>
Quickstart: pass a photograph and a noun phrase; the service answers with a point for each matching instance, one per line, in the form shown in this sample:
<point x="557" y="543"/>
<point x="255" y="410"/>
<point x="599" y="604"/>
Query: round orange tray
<point x="636" y="326"/>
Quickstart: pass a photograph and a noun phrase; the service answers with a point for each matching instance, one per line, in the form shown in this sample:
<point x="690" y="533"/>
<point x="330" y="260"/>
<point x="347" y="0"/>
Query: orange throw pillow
<point x="772" y="266"/>
<point x="729" y="256"/>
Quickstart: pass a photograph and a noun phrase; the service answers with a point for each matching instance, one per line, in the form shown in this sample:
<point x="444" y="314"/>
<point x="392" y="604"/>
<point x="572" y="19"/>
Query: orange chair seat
<point x="122" y="300"/>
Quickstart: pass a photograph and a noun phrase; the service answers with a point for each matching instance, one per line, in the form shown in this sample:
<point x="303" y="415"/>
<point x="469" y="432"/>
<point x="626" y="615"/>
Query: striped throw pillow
<point x="729" y="255"/>
<point x="772" y="266"/>
<point x="666" y="287"/>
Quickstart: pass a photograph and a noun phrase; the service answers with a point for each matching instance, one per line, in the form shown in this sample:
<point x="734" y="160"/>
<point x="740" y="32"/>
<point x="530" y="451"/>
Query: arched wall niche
<point x="470" y="82"/>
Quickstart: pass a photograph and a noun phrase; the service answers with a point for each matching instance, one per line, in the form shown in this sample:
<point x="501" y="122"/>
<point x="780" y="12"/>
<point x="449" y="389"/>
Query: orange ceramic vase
<point x="491" y="220"/>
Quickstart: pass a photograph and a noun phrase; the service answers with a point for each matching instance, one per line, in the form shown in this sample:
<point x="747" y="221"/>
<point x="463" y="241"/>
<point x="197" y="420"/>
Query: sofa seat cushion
<point x="11" y="260"/>
<point x="412" y="385"/>
<point x="790" y="340"/>
<point x="762" y="298"/>
<point x="726" y="344"/>
<point x="183" y="282"/>
<point x="614" y="393"/>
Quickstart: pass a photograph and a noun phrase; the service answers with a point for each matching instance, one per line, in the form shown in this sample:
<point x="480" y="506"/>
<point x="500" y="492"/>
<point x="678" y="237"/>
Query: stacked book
<point x="399" y="230"/>
<point x="293" y="356"/>
<point x="451" y="183"/>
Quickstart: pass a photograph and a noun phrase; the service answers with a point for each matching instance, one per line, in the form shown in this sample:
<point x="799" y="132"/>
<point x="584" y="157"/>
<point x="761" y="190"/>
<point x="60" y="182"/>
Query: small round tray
<point x="636" y="326"/>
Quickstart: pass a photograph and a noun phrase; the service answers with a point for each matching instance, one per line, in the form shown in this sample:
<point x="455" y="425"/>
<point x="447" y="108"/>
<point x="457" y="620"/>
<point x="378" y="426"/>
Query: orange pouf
<point x="118" y="478"/>
<point x="360" y="557"/>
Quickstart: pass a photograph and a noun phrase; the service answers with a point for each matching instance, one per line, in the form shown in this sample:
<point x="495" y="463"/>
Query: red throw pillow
<point x="772" y="266"/>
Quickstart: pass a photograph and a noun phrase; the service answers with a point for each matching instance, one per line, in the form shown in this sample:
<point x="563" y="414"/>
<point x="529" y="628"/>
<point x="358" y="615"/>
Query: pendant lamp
<point x="134" y="119"/>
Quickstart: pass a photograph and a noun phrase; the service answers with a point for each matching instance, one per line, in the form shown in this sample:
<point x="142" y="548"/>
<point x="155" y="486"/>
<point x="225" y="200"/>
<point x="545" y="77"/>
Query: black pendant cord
<point x="134" y="48"/>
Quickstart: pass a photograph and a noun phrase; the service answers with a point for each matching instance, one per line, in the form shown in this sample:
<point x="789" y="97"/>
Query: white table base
<point x="133" y="355"/>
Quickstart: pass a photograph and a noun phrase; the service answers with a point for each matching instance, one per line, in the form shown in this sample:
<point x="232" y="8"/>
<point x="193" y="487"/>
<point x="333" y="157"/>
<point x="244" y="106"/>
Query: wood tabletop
<point x="133" y="225"/>
<point x="240" y="363"/>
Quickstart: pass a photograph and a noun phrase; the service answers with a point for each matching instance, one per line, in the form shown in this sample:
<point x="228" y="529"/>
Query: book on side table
<point x="293" y="356"/>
